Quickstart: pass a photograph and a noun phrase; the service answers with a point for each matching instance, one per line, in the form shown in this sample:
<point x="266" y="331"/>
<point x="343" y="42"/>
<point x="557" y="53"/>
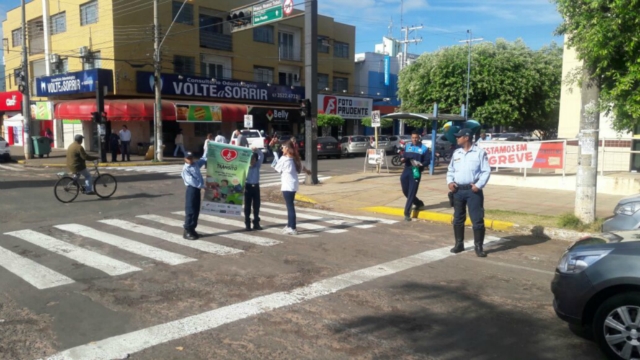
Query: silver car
<point x="383" y="143"/>
<point x="626" y="215"/>
<point x="354" y="144"/>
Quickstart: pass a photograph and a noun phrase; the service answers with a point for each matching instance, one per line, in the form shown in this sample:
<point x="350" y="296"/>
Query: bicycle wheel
<point x="66" y="190"/>
<point x="105" y="186"/>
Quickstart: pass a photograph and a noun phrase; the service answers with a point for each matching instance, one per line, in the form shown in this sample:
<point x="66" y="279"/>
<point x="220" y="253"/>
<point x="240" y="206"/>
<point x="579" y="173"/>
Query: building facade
<point x="257" y="71"/>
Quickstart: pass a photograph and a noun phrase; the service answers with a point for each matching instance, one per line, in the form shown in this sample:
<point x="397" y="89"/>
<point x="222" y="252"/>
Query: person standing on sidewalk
<point x="467" y="175"/>
<point x="179" y="144"/>
<point x="220" y="138"/>
<point x="252" y="190"/>
<point x="193" y="180"/>
<point x="412" y="172"/>
<point x="114" y="144"/>
<point x="289" y="166"/>
<point x="125" y="141"/>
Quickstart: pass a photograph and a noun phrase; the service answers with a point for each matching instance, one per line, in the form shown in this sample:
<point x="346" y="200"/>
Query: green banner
<point x="71" y="122"/>
<point x="198" y="113"/>
<point x="41" y="110"/>
<point x="227" y="168"/>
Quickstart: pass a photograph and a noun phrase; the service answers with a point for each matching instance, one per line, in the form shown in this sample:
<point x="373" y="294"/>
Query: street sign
<point x="248" y="121"/>
<point x="267" y="12"/>
<point x="375" y="118"/>
<point x="288" y="7"/>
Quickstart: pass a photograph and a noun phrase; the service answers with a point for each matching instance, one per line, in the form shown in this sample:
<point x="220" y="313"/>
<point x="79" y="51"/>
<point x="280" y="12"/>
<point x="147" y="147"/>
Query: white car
<point x="254" y="138"/>
<point x="5" y="151"/>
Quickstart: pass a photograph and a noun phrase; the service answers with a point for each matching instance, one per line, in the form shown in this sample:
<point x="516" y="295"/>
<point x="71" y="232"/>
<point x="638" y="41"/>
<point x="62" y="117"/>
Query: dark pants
<point x="289" y="197"/>
<point x="409" y="189"/>
<point x="126" y="149"/>
<point x="252" y="197"/>
<point x="114" y="152"/>
<point x="475" y="201"/>
<point x="192" y="208"/>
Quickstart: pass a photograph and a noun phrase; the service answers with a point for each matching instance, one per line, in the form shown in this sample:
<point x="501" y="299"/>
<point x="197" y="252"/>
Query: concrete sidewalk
<point x="373" y="191"/>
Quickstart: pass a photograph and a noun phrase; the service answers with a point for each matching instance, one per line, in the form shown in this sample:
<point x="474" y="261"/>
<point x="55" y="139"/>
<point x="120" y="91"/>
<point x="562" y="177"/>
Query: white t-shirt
<point x="220" y="139"/>
<point x="288" y="174"/>
<point x="125" y="135"/>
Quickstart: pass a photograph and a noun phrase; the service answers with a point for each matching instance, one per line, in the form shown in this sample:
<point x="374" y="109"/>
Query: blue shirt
<point x="191" y="174"/>
<point x="471" y="167"/>
<point x="418" y="153"/>
<point x="253" y="176"/>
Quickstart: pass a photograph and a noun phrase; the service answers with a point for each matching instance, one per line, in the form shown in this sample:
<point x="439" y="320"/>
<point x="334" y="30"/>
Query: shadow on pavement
<point x="122" y="179"/>
<point x="133" y="196"/>
<point x="452" y="322"/>
<point x="518" y="241"/>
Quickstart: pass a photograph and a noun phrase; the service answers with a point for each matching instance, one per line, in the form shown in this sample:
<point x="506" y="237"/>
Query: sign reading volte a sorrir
<point x="74" y="83"/>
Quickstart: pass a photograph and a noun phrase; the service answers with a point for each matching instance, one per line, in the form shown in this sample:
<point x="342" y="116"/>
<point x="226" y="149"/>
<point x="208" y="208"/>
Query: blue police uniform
<point x="410" y="185"/>
<point x="467" y="168"/>
<point x="193" y="180"/>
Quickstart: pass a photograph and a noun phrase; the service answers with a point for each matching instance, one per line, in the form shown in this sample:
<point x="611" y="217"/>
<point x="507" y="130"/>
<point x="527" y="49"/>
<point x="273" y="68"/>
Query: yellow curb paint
<point x="438" y="217"/>
<point x="302" y="198"/>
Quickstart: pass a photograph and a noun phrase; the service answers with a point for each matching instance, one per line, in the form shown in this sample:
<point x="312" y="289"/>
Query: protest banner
<point x="525" y="155"/>
<point x="227" y="168"/>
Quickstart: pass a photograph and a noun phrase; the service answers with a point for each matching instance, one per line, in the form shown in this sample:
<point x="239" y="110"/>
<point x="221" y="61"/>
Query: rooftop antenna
<point x="390" y="28"/>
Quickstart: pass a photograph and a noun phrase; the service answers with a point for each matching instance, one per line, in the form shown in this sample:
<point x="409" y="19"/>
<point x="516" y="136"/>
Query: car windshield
<point x="328" y="139"/>
<point x="1" y="139"/>
<point x="383" y="138"/>
<point x="405" y="137"/>
<point x="251" y="134"/>
<point x="358" y="139"/>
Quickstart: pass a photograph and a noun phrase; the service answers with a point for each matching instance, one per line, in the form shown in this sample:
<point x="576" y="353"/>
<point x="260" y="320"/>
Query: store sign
<point x="345" y="106"/>
<point x="74" y="83"/>
<point x="201" y="87"/>
<point x="525" y="155"/>
<point x="198" y="113"/>
<point x="10" y="101"/>
<point x="41" y="110"/>
<point x="274" y="115"/>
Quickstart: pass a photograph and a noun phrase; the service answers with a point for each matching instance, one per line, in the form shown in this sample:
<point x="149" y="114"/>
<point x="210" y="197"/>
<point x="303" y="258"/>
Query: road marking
<point x="257" y="240"/>
<point x="83" y="256"/>
<point x="6" y="167"/>
<point x="35" y="274"/>
<point x="176" y="239"/>
<point x="240" y="224"/>
<point x="515" y="266"/>
<point x="118" y="347"/>
<point x="135" y="247"/>
<point x="313" y="227"/>
<point x="333" y="213"/>
<point x="344" y="223"/>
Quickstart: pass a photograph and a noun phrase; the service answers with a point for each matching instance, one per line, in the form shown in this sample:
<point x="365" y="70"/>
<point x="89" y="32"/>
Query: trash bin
<point x="41" y="146"/>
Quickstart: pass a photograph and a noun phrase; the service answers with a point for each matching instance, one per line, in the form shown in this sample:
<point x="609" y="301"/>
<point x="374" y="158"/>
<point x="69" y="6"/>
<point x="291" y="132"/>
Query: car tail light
<point x="6" y="144"/>
<point x="319" y="146"/>
<point x="301" y="144"/>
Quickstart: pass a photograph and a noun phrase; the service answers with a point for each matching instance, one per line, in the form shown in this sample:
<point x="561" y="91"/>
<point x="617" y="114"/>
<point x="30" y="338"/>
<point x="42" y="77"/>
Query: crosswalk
<point x="154" y="238"/>
<point x="11" y="167"/>
<point x="268" y="177"/>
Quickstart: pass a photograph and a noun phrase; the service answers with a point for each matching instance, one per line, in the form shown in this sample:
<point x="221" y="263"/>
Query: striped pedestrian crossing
<point x="117" y="246"/>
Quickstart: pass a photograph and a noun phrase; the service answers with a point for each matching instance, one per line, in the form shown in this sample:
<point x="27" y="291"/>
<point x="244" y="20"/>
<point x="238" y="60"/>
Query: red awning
<point x="117" y="110"/>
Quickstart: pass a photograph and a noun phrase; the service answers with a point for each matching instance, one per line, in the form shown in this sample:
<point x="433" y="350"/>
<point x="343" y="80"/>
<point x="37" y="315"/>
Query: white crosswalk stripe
<point x="12" y="168"/>
<point x="143" y="238"/>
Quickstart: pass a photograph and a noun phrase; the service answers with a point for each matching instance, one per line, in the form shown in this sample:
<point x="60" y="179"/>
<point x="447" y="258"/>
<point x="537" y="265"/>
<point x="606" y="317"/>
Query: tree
<point x="604" y="34"/>
<point x="384" y="123"/>
<point x="326" y="121"/>
<point x="510" y="85"/>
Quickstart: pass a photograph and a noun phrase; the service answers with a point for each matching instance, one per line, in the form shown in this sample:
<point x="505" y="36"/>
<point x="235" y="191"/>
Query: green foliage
<point x="325" y="120"/>
<point x="384" y="123"/>
<point x="511" y="84"/>
<point x="604" y="34"/>
<point x="569" y="221"/>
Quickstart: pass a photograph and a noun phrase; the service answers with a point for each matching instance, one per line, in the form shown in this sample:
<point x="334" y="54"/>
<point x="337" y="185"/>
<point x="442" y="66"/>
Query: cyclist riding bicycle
<point x="76" y="157"/>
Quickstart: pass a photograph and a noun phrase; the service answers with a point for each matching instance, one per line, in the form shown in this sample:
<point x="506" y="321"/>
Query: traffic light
<point x="99" y="118"/>
<point x="305" y="107"/>
<point x="239" y="18"/>
<point x="22" y="82"/>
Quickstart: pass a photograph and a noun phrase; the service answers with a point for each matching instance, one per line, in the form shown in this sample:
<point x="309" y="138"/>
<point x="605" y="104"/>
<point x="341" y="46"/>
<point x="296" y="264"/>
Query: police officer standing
<point x="467" y="175"/>
<point x="419" y="153"/>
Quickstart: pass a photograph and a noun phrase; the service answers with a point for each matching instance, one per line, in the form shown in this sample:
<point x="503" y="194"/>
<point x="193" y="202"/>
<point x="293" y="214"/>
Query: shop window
<point x="89" y="13"/>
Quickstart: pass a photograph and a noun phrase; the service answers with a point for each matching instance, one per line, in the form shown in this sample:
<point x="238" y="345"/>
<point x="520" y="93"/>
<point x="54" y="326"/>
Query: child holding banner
<point x="193" y="180"/>
<point x="289" y="166"/>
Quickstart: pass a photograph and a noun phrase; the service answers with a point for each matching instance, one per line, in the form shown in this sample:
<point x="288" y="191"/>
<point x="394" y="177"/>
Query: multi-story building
<point x="204" y="66"/>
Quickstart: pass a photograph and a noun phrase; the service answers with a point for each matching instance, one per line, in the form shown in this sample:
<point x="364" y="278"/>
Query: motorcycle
<point x="395" y="160"/>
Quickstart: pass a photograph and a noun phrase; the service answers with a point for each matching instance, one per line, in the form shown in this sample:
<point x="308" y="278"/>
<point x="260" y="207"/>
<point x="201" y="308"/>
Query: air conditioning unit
<point x="54" y="58"/>
<point x="84" y="51"/>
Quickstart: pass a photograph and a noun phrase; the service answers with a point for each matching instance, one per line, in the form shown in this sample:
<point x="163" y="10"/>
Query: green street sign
<point x="266" y="12"/>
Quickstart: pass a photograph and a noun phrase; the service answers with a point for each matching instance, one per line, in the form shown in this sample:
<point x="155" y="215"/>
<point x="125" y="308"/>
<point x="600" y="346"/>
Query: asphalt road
<point x="349" y="288"/>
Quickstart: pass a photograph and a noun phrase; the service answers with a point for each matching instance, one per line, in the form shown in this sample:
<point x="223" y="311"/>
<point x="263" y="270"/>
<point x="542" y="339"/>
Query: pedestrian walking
<point x="241" y="140"/>
<point x="220" y="138"/>
<point x="114" y="144"/>
<point x="289" y="166"/>
<point x="179" y="144"/>
<point x="252" y="191"/>
<point x="415" y="158"/>
<point x="125" y="141"/>
<point x="193" y="180"/>
<point x="467" y="175"/>
<point x="206" y="142"/>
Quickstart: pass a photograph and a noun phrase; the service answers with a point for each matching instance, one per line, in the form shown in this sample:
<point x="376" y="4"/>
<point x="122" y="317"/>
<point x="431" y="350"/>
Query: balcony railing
<point x="287" y="53"/>
<point x="216" y="41"/>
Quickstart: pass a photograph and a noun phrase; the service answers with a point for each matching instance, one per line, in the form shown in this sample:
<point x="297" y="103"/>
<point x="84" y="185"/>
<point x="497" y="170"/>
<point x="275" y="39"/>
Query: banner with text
<point x="525" y="155"/>
<point x="345" y="106"/>
<point x="227" y="168"/>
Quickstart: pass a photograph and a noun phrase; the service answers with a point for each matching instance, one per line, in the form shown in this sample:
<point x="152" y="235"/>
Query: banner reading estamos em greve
<point x="525" y="155"/>
<point x="227" y="168"/>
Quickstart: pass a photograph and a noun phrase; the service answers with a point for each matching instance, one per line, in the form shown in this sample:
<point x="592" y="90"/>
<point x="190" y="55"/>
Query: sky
<point x="445" y="21"/>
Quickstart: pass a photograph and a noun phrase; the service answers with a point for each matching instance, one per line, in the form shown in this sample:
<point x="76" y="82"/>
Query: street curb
<point x="105" y="165"/>
<point x="439" y="217"/>
<point x="305" y="199"/>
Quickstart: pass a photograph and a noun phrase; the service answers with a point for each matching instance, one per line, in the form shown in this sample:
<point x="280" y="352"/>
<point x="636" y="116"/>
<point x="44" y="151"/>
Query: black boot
<point x="458" y="231"/>
<point x="478" y="240"/>
<point x="188" y="235"/>
<point x="256" y="225"/>
<point x="247" y="224"/>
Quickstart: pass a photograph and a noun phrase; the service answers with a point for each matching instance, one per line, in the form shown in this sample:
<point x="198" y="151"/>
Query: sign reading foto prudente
<point x="345" y="106"/>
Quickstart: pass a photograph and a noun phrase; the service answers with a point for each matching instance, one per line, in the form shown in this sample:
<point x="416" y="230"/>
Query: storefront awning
<point x="15" y="120"/>
<point x="117" y="110"/>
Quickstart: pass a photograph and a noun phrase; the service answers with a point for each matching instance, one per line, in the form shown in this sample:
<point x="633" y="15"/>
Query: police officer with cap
<point x="467" y="175"/>
<point x="419" y="153"/>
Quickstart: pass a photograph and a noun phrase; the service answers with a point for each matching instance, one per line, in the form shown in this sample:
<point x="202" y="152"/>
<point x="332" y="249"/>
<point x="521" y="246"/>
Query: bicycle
<point x="67" y="188"/>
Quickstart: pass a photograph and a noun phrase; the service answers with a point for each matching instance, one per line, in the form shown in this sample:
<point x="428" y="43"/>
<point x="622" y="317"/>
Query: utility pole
<point x="587" y="175"/>
<point x="26" y="100"/>
<point x="311" y="88"/>
<point x="407" y="30"/>
<point x="469" y="41"/>
<point x="157" y="119"/>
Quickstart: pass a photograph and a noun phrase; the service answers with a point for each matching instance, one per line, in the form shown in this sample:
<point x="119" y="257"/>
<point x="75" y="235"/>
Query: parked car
<point x="254" y="137"/>
<point x="596" y="290"/>
<point x="403" y="140"/>
<point x="626" y="215"/>
<point x="383" y="143"/>
<point x="5" y="151"/>
<point x="354" y="144"/>
<point x="328" y="146"/>
<point x="442" y="143"/>
<point x="506" y="136"/>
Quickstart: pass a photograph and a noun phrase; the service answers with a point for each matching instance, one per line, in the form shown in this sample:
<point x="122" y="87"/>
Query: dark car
<point x="626" y="215"/>
<point x="596" y="289"/>
<point x="328" y="146"/>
